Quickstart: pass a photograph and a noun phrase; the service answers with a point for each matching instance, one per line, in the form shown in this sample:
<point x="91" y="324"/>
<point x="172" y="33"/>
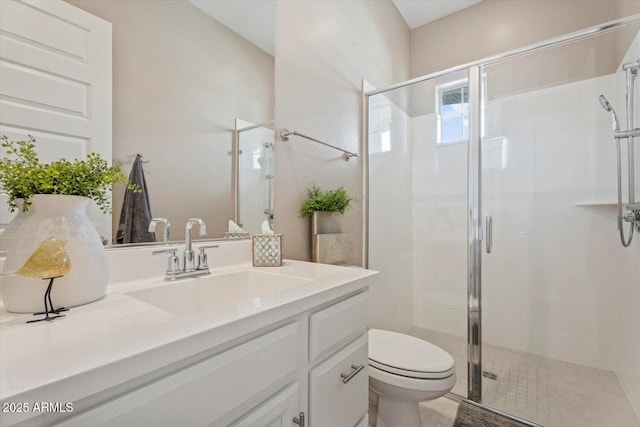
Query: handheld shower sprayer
<point x="605" y="104"/>
<point x="630" y="211"/>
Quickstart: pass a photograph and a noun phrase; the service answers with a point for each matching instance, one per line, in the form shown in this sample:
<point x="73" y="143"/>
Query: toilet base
<point x="394" y="413"/>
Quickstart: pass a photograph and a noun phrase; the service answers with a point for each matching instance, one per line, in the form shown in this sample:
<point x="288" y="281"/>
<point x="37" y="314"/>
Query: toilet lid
<point x="408" y="356"/>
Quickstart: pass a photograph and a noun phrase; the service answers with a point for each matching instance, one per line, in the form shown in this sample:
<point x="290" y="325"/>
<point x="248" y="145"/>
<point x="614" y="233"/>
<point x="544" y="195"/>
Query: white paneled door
<point x="55" y="84"/>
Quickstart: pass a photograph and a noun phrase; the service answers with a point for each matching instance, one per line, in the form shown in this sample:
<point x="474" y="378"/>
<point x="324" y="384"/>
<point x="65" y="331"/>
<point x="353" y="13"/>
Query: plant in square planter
<point x="52" y="200"/>
<point x="326" y="209"/>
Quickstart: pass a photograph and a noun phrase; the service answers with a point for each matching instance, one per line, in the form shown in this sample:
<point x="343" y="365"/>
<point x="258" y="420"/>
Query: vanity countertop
<point x="113" y="338"/>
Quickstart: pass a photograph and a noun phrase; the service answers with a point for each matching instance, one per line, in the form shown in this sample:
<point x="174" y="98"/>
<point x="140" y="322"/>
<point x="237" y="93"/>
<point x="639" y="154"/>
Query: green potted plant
<point x="23" y="176"/>
<point x="326" y="208"/>
<point x="53" y="199"/>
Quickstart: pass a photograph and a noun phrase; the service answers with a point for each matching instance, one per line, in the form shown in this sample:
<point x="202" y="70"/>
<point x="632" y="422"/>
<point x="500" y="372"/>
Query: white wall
<point x="323" y="51"/>
<point x="496" y="26"/>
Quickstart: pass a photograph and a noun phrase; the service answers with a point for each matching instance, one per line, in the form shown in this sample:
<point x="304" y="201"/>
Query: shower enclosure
<point x="491" y="211"/>
<point x="253" y="175"/>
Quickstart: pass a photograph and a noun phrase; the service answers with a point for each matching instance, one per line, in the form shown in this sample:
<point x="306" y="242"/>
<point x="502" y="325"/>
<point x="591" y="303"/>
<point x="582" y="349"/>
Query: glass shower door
<point x="554" y="274"/>
<point x="417" y="198"/>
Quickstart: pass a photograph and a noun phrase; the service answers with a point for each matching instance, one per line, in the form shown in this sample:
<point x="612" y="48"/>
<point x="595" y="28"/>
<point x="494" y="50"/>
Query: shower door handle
<point x="489" y="231"/>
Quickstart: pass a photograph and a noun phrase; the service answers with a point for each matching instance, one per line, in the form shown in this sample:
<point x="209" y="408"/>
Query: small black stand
<point x="48" y="305"/>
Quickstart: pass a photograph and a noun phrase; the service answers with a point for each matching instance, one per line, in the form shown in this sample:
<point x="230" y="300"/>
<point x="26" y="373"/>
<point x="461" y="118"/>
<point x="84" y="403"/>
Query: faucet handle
<point x="164" y="251"/>
<point x="202" y="257"/>
<point x="173" y="265"/>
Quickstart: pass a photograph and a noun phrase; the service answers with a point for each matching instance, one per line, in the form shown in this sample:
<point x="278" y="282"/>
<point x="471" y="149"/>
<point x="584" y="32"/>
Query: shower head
<point x="605" y="104"/>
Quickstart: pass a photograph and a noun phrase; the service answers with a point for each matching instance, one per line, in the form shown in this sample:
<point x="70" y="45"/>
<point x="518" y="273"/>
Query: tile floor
<point x="438" y="413"/>
<point x="545" y="391"/>
<point x="435" y="413"/>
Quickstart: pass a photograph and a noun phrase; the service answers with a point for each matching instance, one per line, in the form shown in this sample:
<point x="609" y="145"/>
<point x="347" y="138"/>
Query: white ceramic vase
<point x="63" y="217"/>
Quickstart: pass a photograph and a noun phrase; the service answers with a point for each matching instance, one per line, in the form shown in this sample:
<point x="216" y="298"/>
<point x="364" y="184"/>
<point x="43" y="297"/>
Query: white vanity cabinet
<point x="278" y="411"/>
<point x="260" y="382"/>
<point x="212" y="392"/>
<point x="339" y="387"/>
<point x="338" y="378"/>
<point x="277" y="357"/>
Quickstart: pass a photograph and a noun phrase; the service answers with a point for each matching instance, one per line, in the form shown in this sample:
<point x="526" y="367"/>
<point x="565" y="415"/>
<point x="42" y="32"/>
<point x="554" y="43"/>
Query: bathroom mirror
<point x="180" y="78"/>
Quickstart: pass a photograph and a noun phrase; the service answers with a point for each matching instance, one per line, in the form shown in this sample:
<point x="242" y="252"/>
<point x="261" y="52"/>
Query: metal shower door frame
<point x="474" y="237"/>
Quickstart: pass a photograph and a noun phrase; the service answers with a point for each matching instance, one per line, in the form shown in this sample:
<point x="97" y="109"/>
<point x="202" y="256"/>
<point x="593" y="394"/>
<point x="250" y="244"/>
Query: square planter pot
<point x="326" y="223"/>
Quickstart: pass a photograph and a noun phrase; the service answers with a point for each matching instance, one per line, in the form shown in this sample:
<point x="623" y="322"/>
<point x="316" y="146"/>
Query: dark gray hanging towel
<point x="136" y="210"/>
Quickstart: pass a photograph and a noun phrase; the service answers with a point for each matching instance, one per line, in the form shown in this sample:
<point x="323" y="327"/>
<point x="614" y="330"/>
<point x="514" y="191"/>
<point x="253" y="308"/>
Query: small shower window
<point x="453" y="112"/>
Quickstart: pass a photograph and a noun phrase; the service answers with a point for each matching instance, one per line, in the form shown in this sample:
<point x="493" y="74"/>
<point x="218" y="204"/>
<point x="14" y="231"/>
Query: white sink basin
<point x="208" y="293"/>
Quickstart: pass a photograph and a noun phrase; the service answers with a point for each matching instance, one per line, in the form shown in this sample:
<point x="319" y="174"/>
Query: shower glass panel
<point x="255" y="177"/>
<point x="556" y="345"/>
<point x="417" y="201"/>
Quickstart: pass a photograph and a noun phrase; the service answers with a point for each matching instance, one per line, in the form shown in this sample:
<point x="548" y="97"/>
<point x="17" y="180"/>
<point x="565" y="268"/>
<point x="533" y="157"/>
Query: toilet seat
<point x="408" y="356"/>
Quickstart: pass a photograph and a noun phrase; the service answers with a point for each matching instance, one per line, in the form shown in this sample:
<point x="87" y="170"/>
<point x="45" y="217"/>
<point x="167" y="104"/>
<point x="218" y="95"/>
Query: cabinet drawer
<point x="278" y="411"/>
<point x="334" y="402"/>
<point x="203" y="393"/>
<point x="337" y="324"/>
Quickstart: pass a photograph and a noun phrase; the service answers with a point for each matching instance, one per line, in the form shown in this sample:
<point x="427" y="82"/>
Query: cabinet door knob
<point x="299" y="419"/>
<point x="355" y="369"/>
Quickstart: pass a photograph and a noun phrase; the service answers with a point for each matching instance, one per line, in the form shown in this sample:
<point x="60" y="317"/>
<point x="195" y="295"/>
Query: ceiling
<point x="255" y="20"/>
<point x="420" y="12"/>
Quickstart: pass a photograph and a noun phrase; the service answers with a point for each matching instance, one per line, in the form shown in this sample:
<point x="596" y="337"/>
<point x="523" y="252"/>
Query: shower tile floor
<point x="545" y="391"/>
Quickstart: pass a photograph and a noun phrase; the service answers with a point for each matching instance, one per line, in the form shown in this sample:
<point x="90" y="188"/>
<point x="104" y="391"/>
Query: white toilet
<point x="403" y="371"/>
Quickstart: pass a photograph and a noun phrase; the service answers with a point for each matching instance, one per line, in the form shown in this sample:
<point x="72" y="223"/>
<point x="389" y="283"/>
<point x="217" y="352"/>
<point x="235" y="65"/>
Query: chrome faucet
<point x="188" y="259"/>
<point x="190" y="267"/>
<point x="166" y="227"/>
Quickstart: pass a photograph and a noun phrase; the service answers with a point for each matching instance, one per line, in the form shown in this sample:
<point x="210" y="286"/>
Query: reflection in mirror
<point x="180" y="78"/>
<point x="255" y="175"/>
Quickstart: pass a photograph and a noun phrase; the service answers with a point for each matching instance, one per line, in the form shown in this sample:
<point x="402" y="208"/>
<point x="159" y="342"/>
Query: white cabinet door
<point x="338" y="389"/>
<point x="207" y="393"/>
<point x="55" y="83"/>
<point x="278" y="411"/>
<point x="336" y="325"/>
